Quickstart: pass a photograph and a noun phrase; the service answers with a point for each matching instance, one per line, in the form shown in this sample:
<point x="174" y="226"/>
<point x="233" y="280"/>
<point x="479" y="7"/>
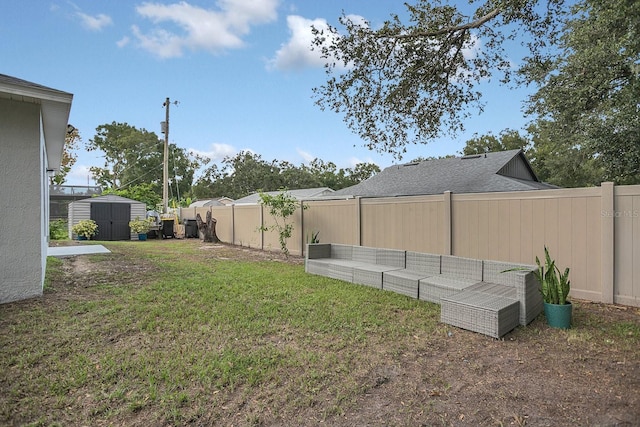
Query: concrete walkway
<point x="67" y="251"/>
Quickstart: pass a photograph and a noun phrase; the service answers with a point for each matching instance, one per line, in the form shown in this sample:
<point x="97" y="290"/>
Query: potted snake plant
<point x="554" y="286"/>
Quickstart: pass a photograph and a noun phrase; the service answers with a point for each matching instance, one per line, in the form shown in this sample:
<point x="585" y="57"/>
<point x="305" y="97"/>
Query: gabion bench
<point x="488" y="297"/>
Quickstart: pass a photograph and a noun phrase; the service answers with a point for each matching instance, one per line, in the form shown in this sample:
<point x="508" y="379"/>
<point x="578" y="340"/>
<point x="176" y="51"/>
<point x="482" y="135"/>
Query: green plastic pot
<point x="558" y="315"/>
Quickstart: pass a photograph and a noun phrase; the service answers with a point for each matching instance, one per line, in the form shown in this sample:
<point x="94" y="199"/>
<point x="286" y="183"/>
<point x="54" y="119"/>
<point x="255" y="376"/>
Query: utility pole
<point x="165" y="164"/>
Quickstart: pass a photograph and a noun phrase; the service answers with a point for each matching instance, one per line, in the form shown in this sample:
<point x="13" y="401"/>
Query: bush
<point x="58" y="230"/>
<point x="85" y="228"/>
<point x="141" y="226"/>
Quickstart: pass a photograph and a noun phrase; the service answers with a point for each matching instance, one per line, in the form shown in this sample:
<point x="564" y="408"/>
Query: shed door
<point x="112" y="219"/>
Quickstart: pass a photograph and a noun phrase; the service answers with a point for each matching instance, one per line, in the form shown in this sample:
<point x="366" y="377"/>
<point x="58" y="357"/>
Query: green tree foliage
<point x="508" y="139"/>
<point x="182" y="169"/>
<point x="281" y="207"/>
<point x="360" y="172"/>
<point x="238" y="176"/>
<point x="590" y="87"/>
<point x="410" y="82"/>
<point x="141" y="192"/>
<point x="562" y="162"/>
<point x="246" y="172"/>
<point x="292" y="176"/>
<point x="405" y="83"/>
<point x="326" y="174"/>
<point x="127" y="152"/>
<point x="69" y="158"/>
<point x="554" y="161"/>
<point x="135" y="156"/>
<point x="420" y="159"/>
<point x="58" y="230"/>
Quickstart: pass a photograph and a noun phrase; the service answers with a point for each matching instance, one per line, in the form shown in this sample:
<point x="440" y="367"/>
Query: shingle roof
<point x="490" y="172"/>
<point x="206" y="203"/>
<point x="16" y="86"/>
<point x="301" y="194"/>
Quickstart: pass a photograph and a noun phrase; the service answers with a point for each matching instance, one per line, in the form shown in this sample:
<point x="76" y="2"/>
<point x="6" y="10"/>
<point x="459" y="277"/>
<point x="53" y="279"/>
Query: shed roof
<point x="108" y="198"/>
<point x="55" y="106"/>
<point x="490" y="172"/>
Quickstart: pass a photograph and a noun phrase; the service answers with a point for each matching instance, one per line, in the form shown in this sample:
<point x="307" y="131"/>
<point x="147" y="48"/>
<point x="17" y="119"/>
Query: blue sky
<point x="241" y="71"/>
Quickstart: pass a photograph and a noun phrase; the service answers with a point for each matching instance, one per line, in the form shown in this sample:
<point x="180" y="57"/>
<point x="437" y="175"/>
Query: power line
<point x="139" y="178"/>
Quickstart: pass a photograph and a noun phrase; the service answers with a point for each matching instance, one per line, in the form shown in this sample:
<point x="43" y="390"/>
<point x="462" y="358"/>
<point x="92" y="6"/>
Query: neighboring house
<point x="33" y="126"/>
<point x="61" y="195"/>
<point x="222" y="201"/>
<point x="302" y="194"/>
<point x="481" y="173"/>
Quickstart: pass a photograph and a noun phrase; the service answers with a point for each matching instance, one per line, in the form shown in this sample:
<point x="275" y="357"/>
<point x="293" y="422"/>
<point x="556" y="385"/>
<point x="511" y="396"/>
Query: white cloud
<point x="358" y="20"/>
<point x="202" y="29"/>
<point x="162" y="43"/>
<point x="472" y="48"/>
<point x="306" y="157"/>
<point x="298" y="52"/>
<point x="79" y="175"/>
<point x="217" y="153"/>
<point x="123" y="41"/>
<point x="94" y="23"/>
<point x="241" y="13"/>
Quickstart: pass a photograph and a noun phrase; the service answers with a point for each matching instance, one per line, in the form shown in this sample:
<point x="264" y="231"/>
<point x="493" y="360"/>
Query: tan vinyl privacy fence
<point x="594" y="231"/>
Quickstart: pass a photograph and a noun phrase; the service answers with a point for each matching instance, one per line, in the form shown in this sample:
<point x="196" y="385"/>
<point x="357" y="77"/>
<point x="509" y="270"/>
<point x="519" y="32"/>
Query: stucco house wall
<point x="33" y="121"/>
<point x="21" y="225"/>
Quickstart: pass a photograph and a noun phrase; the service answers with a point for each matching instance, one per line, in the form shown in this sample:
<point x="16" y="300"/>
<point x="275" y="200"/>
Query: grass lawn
<point x="175" y="332"/>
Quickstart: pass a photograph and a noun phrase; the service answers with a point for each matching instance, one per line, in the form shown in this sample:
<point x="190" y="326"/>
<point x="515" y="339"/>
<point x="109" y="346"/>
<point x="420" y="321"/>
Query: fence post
<point x="607" y="216"/>
<point x="233" y="223"/>
<point x="261" y="226"/>
<point x="302" y="244"/>
<point x="359" y="220"/>
<point x="448" y="221"/>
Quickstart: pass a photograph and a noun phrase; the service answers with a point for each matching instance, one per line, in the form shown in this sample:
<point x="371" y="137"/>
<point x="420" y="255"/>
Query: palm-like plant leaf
<point x="554" y="285"/>
<point x="564" y="285"/>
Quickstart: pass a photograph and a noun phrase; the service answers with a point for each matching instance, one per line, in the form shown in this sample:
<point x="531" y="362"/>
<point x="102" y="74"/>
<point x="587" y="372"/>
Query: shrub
<point x="58" y="230"/>
<point x="141" y="226"/>
<point x="85" y="228"/>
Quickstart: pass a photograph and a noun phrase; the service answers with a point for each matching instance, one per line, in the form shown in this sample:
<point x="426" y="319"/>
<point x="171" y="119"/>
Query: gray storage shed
<point x="112" y="214"/>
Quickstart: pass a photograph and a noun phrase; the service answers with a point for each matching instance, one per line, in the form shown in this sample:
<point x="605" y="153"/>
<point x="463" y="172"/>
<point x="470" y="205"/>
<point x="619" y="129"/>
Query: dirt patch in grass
<point x="431" y="375"/>
<point x="79" y="274"/>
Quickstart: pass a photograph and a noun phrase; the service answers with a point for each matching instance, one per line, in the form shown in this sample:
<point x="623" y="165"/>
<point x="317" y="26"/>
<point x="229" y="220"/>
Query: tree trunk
<point x="208" y="228"/>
